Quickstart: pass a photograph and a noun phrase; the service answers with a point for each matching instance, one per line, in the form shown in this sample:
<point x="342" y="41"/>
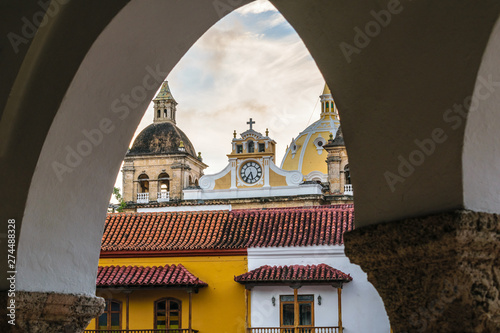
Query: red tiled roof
<point x="222" y="230"/>
<point x="337" y="206"/>
<point x="310" y="274"/>
<point x="143" y="276"/>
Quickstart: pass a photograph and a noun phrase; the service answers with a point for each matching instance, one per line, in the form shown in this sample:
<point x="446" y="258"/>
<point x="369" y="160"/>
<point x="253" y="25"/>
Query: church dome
<point x="161" y="138"/>
<point x="306" y="153"/>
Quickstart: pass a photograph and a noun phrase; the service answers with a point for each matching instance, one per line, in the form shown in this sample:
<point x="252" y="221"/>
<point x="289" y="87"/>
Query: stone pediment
<point x="251" y="134"/>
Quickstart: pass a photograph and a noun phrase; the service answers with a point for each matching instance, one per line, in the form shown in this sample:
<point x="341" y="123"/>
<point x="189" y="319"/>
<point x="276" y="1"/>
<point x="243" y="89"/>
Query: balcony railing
<point x="348" y="189"/>
<point x="143" y="197"/>
<point x="303" y="329"/>
<point x="163" y="196"/>
<point x="169" y="330"/>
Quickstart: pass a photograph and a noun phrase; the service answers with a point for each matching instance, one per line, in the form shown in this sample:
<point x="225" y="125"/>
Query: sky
<point x="251" y="64"/>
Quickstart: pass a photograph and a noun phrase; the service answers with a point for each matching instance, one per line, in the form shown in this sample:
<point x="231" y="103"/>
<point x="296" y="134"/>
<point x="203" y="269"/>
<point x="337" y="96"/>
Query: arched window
<point x="164" y="182"/>
<point x="196" y="182"/>
<point x="111" y="319"/>
<point x="168" y="313"/>
<point x="251" y="147"/>
<point x="158" y="114"/>
<point x="143" y="183"/>
<point x="347" y="174"/>
<point x="190" y="181"/>
<point x="165" y="113"/>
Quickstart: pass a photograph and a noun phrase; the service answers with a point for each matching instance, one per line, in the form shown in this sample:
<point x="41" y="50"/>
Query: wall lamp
<point x="273" y="300"/>
<point x="319" y="299"/>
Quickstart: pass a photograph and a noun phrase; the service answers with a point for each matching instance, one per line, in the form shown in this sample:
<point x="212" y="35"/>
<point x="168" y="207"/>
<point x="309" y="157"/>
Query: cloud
<point x="257" y="7"/>
<point x="236" y="71"/>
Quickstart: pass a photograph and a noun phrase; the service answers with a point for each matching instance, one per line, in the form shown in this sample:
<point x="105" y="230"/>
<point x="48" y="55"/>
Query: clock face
<point x="251" y="172"/>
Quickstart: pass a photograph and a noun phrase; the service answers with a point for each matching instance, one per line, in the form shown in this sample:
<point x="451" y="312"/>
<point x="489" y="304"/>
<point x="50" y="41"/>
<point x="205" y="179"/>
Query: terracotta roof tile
<point x="144" y="276"/>
<point x="321" y="273"/>
<point x="237" y="229"/>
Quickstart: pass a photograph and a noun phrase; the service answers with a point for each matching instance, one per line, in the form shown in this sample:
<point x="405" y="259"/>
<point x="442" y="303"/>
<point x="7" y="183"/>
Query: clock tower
<point x="251" y="155"/>
<point x="251" y="172"/>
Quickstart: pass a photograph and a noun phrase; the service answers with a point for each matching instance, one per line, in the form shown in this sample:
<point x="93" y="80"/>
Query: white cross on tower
<point x="250" y="123"/>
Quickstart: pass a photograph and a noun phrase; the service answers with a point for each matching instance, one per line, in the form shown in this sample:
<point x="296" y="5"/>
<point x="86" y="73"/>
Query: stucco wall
<point x="362" y="307"/>
<point x="219" y="307"/>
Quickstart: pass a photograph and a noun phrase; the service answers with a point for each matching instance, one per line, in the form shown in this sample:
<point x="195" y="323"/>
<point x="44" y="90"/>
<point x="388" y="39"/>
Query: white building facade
<point x="362" y="309"/>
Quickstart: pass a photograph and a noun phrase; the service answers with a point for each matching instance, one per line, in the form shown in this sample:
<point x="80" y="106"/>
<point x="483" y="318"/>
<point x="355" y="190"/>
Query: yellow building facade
<point x="221" y="297"/>
<point x="252" y="173"/>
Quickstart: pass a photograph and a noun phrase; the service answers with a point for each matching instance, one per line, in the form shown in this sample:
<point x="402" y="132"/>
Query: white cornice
<point x="315" y="251"/>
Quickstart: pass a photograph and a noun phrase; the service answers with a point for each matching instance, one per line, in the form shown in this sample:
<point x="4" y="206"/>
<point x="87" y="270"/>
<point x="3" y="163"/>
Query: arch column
<point x="48" y="312"/>
<point x="440" y="273"/>
<point x="69" y="107"/>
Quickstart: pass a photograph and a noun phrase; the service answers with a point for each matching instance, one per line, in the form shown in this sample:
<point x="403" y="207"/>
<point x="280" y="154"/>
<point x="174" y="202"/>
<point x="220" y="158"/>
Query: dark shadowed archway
<point x="404" y="76"/>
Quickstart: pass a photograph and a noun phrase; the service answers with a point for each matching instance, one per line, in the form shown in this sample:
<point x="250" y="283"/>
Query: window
<point x="306" y="310"/>
<point x="250" y="146"/>
<point x="164" y="182"/>
<point x="262" y="147"/>
<point x="158" y="114"/>
<point x="239" y="149"/>
<point x="167" y="313"/>
<point x="143" y="183"/>
<point x="111" y="318"/>
<point x="319" y="142"/>
<point x="165" y="113"/>
<point x="347" y="174"/>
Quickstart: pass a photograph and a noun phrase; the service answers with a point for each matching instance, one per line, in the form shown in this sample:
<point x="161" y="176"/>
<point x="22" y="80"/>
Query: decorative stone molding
<point x="439" y="273"/>
<point x="293" y="178"/>
<point x="49" y="312"/>
<point x="207" y="182"/>
<point x="316" y="175"/>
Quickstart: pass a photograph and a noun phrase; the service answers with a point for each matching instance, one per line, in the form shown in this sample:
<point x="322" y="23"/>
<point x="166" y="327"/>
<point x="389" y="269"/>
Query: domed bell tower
<point x="162" y="162"/>
<point x="164" y="105"/>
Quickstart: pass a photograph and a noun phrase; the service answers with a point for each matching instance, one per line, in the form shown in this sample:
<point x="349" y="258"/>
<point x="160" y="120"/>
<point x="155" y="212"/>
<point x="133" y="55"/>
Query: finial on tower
<point x="327" y="103"/>
<point x="164" y="93"/>
<point x="234" y="134"/>
<point x="181" y="146"/>
<point x="164" y="105"/>
<point x="267" y="131"/>
<point x="251" y="122"/>
<point x="326" y="90"/>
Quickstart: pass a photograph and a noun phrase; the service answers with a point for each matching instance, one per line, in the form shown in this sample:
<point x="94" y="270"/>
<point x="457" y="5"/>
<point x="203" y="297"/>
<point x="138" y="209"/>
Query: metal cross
<point x="250" y="123"/>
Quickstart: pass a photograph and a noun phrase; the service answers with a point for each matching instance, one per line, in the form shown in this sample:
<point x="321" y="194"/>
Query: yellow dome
<point x="306" y="153"/>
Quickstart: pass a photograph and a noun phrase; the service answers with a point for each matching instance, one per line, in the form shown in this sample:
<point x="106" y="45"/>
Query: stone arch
<point x="164" y="182"/>
<point x="108" y="116"/>
<point x="401" y="103"/>
<point x="347" y="174"/>
<point x="480" y="157"/>
<point x="143" y="183"/>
